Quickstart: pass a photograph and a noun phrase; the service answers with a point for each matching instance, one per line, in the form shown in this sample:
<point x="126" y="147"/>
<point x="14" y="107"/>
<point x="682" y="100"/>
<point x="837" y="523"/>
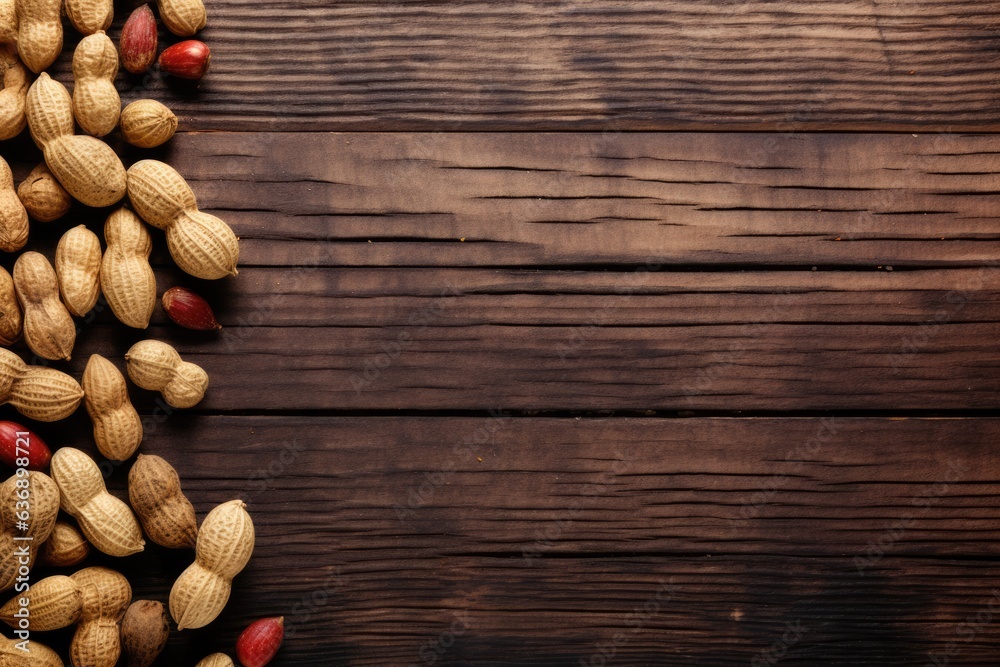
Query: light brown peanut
<point x="37" y="392"/>
<point x="10" y="310"/>
<point x="154" y="489"/>
<point x="106" y="521"/>
<point x="39" y="32"/>
<point x="19" y="546"/>
<point x="90" y="16"/>
<point x="42" y="196"/>
<point x="106" y="597"/>
<point x="145" y="631"/>
<point x="78" y="268"/>
<point x="8" y="22"/>
<point x="49" y="329"/>
<point x="117" y="426"/>
<point x="87" y="167"/>
<point x="201" y="244"/>
<point x="216" y="660"/>
<point x="65" y="547"/>
<point x="13" y="217"/>
<point x="127" y="279"/>
<point x="156" y="366"/>
<point x="96" y="103"/>
<point x="147" y="123"/>
<point x="37" y="655"/>
<point x="225" y="544"/>
<point x="15" y="89"/>
<point x="54" y="602"/>
<point x="183" y="17"/>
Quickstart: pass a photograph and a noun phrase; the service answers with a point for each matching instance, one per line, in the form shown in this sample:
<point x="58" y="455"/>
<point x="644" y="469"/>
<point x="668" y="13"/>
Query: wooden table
<point x="586" y="332"/>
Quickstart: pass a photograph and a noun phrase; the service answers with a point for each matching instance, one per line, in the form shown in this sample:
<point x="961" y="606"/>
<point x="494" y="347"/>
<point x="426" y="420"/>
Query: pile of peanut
<point x="39" y="303"/>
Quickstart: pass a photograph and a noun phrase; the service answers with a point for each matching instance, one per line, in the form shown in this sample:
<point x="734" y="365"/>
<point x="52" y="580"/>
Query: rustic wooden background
<point x="586" y="332"/>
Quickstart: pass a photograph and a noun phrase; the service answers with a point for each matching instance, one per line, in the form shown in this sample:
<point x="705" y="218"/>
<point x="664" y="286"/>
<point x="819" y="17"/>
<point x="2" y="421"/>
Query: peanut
<point x="54" y="602"/>
<point x="156" y="366"/>
<point x="21" y="448"/>
<point x="106" y="521"/>
<point x="15" y="88"/>
<point x="117" y="427"/>
<point x="33" y="502"/>
<point x="145" y="630"/>
<point x="96" y="103"/>
<point x="13" y="217"/>
<point x="65" y="547"/>
<point x="225" y="543"/>
<point x="42" y="196"/>
<point x="183" y="17"/>
<point x="201" y="244"/>
<point x="78" y="268"/>
<point x="87" y="167"/>
<point x="37" y="392"/>
<point x="148" y="124"/>
<point x="126" y="277"/>
<point x="39" y="32"/>
<point x="106" y="596"/>
<point x="154" y="488"/>
<point x="37" y="655"/>
<point x="90" y="16"/>
<point x="8" y="22"/>
<point x="48" y="328"/>
<point x="216" y="660"/>
<point x="10" y="310"/>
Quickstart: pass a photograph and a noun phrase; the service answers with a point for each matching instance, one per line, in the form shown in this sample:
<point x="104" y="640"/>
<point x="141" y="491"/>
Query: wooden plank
<point x="392" y="608"/>
<point x="724" y="200"/>
<point x="534" y="488"/>
<point x="545" y="547"/>
<point x="590" y="64"/>
<point x="467" y="339"/>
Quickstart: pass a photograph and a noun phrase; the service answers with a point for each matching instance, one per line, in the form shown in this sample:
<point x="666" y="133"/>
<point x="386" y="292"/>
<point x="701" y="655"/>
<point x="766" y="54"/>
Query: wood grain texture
<point x="725" y="200"/>
<point x="465" y="339"/>
<point x="375" y="535"/>
<point x="590" y="64"/>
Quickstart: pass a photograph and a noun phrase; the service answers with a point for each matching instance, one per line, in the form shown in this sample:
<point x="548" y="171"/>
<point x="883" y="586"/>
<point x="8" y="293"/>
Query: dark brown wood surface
<point x="586" y="332"/>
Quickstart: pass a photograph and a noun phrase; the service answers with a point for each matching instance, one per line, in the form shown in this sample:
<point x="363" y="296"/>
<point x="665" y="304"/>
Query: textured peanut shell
<point x="39" y="32"/>
<point x="38" y="655"/>
<point x="65" y="547"/>
<point x="117" y="426"/>
<point x="147" y="123"/>
<point x="90" y="16"/>
<point x="39" y="393"/>
<point x="106" y="521"/>
<point x="225" y="544"/>
<point x="156" y="366"/>
<point x="216" y="660"/>
<point x="13" y="217"/>
<point x="106" y="597"/>
<point x="10" y="310"/>
<point x="87" y="167"/>
<point x="8" y="22"/>
<point x="127" y="279"/>
<point x="78" y="268"/>
<point x="201" y="244"/>
<point x="183" y="17"/>
<point x="154" y="489"/>
<point x="49" y="329"/>
<point x="96" y="103"/>
<point x="55" y="602"/>
<point x="145" y="631"/>
<point x="43" y="499"/>
<point x="42" y="196"/>
<point x="15" y="89"/>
